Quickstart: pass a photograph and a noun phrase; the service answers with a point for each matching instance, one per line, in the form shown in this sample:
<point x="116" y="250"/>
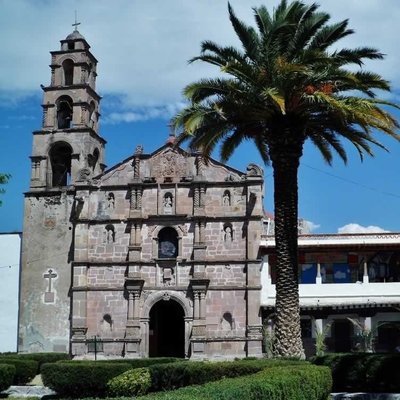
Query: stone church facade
<point x="155" y="256"/>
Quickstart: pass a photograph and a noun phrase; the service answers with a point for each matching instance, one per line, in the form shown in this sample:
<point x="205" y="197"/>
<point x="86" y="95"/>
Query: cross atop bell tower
<point x="75" y="25"/>
<point x="68" y="149"/>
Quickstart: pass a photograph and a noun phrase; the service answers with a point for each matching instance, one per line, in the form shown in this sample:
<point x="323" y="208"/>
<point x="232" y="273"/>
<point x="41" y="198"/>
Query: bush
<point x="366" y="372"/>
<point x="7" y="373"/>
<point x="25" y="370"/>
<point x="133" y="362"/>
<point x="41" y="358"/>
<point x="306" y="382"/>
<point x="175" y="375"/>
<point x="134" y="382"/>
<point x="81" y="378"/>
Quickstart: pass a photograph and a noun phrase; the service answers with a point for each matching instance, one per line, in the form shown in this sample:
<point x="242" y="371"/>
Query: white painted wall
<point x="10" y="251"/>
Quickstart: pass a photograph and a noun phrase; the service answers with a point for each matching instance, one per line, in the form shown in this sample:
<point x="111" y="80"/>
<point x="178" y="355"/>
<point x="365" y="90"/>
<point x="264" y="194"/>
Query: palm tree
<point x="283" y="87"/>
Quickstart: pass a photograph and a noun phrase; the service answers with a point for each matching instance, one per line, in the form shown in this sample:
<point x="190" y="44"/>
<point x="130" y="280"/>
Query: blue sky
<point x="143" y="48"/>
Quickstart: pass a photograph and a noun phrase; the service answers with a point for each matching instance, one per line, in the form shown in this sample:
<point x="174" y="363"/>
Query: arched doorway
<point x="167" y="330"/>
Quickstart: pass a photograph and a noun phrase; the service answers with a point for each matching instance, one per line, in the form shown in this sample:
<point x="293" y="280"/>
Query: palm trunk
<point x="285" y="162"/>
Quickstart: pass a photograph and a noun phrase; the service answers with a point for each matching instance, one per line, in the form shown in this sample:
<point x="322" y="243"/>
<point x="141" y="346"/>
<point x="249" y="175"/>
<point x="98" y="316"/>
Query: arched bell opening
<point x="60" y="161"/>
<point x="167" y="329"/>
<point x="64" y="112"/>
<point x="68" y="69"/>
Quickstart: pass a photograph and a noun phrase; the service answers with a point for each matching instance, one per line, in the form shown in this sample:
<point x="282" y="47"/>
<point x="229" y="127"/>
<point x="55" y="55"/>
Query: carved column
<point x="196" y="305"/>
<point x="199" y="290"/>
<point x="136" y="168"/>
<point x="202" y="196"/>
<point x="133" y="204"/>
<point x="196" y="233"/>
<point x="133" y="289"/>
<point x="135" y="248"/>
<point x="196" y="197"/>
<point x="135" y="209"/>
<point x="202" y="228"/>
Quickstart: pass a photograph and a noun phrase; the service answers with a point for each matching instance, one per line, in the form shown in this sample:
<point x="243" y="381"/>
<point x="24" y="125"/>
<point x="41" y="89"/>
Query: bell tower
<point x="67" y="153"/>
<point x="68" y="149"/>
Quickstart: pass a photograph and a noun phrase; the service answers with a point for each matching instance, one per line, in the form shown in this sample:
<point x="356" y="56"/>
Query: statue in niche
<point x="228" y="233"/>
<point x="226" y="199"/>
<point x="110" y="234"/>
<point x="106" y="325"/>
<point x="168" y="203"/>
<point x="227" y="322"/>
<point x="111" y="201"/>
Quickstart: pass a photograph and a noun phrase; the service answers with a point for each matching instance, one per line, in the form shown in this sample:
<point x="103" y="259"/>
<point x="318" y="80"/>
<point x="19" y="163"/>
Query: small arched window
<point x="68" y="68"/>
<point x="167" y="243"/>
<point x="60" y="159"/>
<point x="64" y="112"/>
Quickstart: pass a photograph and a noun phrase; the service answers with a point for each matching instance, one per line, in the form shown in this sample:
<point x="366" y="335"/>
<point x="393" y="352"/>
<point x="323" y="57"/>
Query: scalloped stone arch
<point x="159" y="295"/>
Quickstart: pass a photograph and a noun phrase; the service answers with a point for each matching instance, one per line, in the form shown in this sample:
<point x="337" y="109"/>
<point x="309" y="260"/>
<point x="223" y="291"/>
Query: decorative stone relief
<point x="84" y="175"/>
<point x="166" y="296"/>
<point x="254" y="170"/>
<point x="169" y="164"/>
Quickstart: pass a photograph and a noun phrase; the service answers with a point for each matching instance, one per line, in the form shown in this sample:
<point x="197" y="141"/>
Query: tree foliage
<point x="4" y="178"/>
<point x="287" y="83"/>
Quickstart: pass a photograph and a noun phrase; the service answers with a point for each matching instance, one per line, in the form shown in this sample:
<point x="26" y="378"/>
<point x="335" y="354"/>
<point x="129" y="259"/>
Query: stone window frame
<point x="155" y="241"/>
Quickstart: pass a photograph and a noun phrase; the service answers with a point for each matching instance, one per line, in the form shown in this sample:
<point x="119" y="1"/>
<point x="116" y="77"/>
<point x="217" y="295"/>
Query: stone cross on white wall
<point x="49" y="294"/>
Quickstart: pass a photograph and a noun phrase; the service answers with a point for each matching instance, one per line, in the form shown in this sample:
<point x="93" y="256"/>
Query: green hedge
<point x="367" y="372"/>
<point x="81" y="378"/>
<point x="7" y="373"/>
<point x="25" y="370"/>
<point x="41" y="358"/>
<point x="179" y="374"/>
<point x="307" y="382"/>
<point x="133" y="362"/>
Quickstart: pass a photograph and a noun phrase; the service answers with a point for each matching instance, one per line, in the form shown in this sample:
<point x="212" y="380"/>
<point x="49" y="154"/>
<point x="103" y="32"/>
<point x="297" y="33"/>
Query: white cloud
<point x="356" y="228"/>
<point x="308" y="226"/>
<point x="142" y="114"/>
<point x="143" y="47"/>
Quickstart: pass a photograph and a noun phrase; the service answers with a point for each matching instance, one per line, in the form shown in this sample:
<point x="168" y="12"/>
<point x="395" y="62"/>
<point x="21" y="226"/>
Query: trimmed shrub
<point x="7" y="373"/>
<point x="25" y="370"/>
<point x="366" y="372"/>
<point x="133" y="362"/>
<point x="81" y="378"/>
<point x="41" y="358"/>
<point x="307" y="382"/>
<point x="135" y="382"/>
<point x="175" y="375"/>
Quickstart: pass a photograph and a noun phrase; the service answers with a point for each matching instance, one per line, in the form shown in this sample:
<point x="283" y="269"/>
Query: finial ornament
<point x="76" y="22"/>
